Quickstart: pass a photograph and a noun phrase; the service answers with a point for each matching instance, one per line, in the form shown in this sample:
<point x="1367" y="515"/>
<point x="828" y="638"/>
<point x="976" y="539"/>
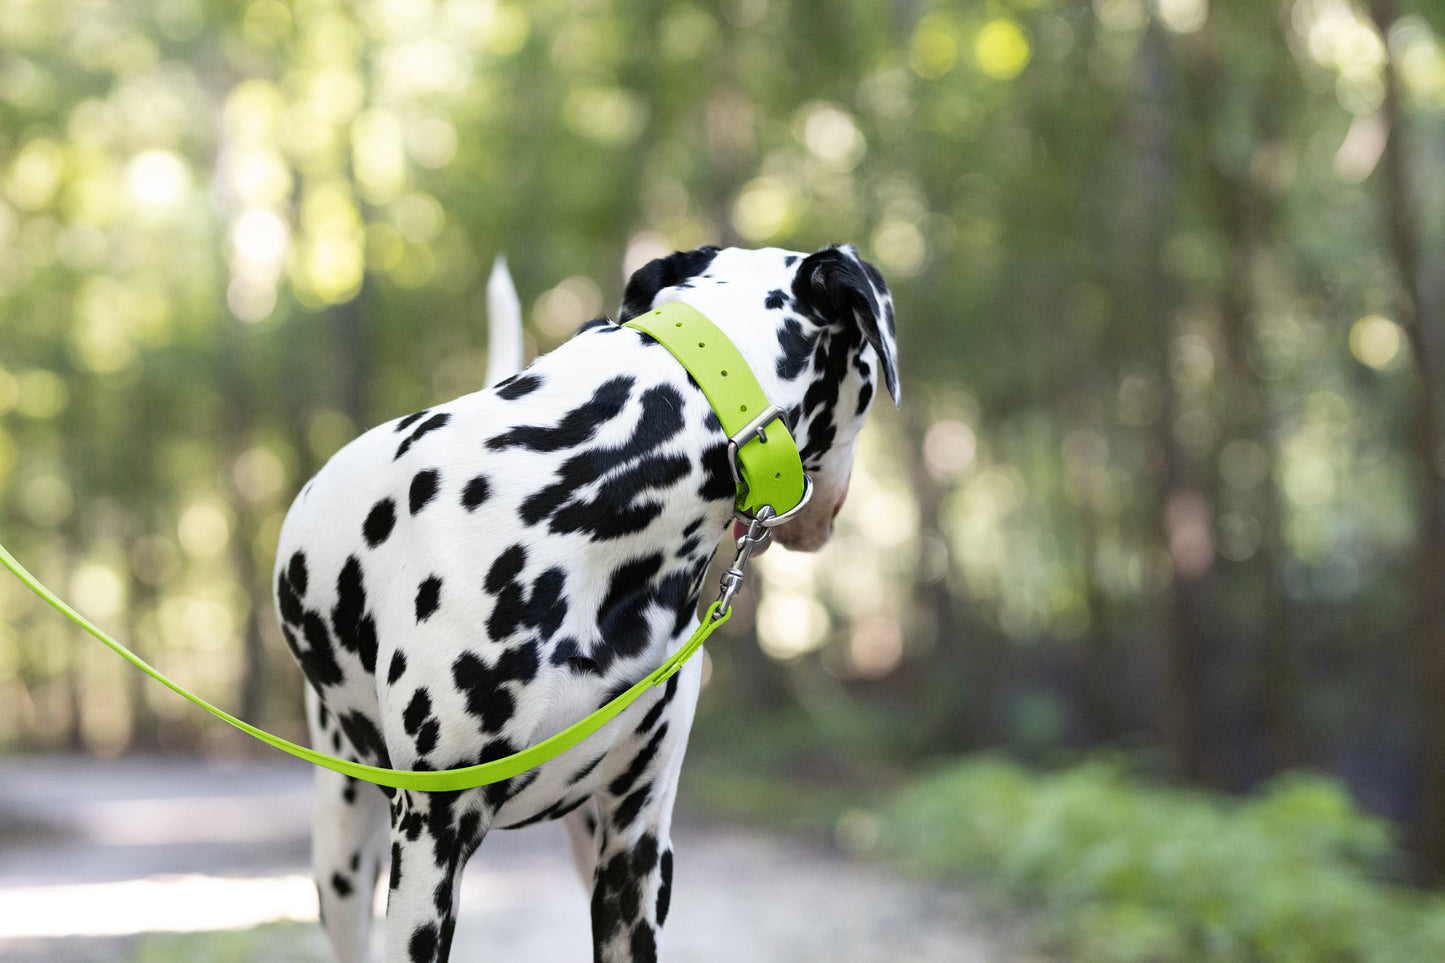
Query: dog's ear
<point x="837" y="287"/>
<point x="665" y="272"/>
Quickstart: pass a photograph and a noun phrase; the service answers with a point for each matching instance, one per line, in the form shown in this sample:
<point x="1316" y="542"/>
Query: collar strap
<point x="762" y="455"/>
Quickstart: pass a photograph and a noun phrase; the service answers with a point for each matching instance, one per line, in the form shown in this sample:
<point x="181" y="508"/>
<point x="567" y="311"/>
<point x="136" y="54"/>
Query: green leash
<point x="771" y="469"/>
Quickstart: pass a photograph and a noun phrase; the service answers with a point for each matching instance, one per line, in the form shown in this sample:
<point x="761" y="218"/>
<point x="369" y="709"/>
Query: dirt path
<point x="99" y="858"/>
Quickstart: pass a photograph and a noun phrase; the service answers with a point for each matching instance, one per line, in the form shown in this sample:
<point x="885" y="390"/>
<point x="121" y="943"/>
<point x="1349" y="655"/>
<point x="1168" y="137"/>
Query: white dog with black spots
<point x="463" y="582"/>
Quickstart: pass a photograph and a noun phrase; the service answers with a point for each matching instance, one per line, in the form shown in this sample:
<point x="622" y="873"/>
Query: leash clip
<point x="732" y="580"/>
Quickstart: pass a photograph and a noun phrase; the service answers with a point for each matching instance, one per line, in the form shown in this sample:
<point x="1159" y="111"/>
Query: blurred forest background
<point x="1166" y="483"/>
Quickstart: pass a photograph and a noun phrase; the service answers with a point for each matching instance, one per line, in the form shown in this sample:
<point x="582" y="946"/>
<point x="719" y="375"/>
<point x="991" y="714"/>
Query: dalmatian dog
<point x="465" y="581"/>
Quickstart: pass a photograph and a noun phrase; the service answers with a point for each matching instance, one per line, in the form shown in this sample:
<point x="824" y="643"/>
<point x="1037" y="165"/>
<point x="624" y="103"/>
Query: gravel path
<point x="98" y="857"/>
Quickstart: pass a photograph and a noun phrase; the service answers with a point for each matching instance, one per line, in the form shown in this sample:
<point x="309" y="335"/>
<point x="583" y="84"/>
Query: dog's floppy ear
<point x="664" y="272"/>
<point x="839" y="287"/>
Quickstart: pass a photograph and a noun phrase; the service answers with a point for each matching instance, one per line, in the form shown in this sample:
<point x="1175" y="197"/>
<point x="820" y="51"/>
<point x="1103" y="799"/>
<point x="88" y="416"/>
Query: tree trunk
<point x="1422" y="319"/>
<point x="1179" y="500"/>
<point x="958" y="671"/>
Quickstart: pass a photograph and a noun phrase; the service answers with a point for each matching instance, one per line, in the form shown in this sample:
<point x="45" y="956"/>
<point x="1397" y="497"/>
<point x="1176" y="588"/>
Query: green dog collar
<point x="761" y="452"/>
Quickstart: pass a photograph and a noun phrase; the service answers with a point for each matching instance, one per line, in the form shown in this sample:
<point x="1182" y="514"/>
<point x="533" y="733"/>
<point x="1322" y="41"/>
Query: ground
<point x="158" y="860"/>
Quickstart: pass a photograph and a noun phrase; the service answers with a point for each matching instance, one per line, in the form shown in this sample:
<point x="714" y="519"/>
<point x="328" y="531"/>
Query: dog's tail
<point x="504" y="324"/>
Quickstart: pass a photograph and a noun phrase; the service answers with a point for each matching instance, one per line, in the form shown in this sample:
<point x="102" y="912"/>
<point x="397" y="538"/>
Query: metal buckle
<point x="757" y="428"/>
<point x="753" y="429"/>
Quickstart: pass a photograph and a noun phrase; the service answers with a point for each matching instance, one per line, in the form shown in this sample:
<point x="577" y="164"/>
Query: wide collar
<point x="763" y="458"/>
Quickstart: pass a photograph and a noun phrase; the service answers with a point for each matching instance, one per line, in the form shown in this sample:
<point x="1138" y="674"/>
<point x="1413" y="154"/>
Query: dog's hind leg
<point x="348" y="847"/>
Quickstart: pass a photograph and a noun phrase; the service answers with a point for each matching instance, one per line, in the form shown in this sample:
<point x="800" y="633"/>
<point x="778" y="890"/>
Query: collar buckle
<point x="756" y="430"/>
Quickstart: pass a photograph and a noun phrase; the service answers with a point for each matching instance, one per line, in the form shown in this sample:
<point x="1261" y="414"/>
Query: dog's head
<point x="824" y="323"/>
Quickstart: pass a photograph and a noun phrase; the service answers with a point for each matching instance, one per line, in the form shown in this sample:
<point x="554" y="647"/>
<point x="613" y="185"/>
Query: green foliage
<point x="1120" y="870"/>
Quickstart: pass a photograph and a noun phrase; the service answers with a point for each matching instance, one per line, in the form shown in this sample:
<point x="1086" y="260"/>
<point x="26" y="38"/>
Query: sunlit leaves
<point x="609" y="115"/>
<point x="331" y="262"/>
<point x="766" y="207"/>
<point x="1001" y="49"/>
<point x="935" y="46"/>
<point x="34" y="174"/>
<point x="157" y="179"/>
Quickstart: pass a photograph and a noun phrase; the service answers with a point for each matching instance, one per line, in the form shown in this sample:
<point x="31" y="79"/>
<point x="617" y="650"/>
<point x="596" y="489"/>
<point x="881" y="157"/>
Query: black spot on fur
<point x="318" y="659"/>
<point x="717" y="478"/>
<point x="416" y="711"/>
<point x="484" y="686"/>
<point x="355" y="630"/>
<point x="475" y="493"/>
<point x="623" y="783"/>
<point x="797" y="348"/>
<point x="364" y="737"/>
<point x="547" y="608"/>
<point x="655" y="713"/>
<point x="644" y="943"/>
<point x="296" y="572"/>
<point x="379" y="522"/>
<point x="398" y="666"/>
<point x="411" y="419"/>
<point x="775" y="299"/>
<point x="288" y="600"/>
<point x="442" y="895"/>
<point x="428" y="596"/>
<point x="664" y="272"/>
<point x="644" y="855"/>
<point x="518" y="386"/>
<point x="423" y="489"/>
<point x="426" y="736"/>
<point x="555" y="811"/>
<point x="613" y="892"/>
<point x="612" y="511"/>
<point x="576" y="427"/>
<point x="631" y="806"/>
<point x="506" y="568"/>
<point x="423" y="944"/>
<point x="431" y="424"/>
<point x="585" y="771"/>
<point x="621" y="617"/>
<point x="664" y="892"/>
<point x="865" y="396"/>
<point x="341" y="884"/>
<point x="821" y="399"/>
<point x="604" y="323"/>
<point x="498" y="792"/>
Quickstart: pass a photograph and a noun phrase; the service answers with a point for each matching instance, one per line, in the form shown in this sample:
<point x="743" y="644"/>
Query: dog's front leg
<point x="632" y="883"/>
<point x="430" y="846"/>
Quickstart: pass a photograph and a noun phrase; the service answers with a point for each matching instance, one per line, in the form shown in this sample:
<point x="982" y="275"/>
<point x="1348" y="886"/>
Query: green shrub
<point x="1119" y="870"/>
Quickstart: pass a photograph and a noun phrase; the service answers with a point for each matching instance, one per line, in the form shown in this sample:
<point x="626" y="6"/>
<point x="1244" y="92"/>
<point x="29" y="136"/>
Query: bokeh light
<point x="1375" y="341"/>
